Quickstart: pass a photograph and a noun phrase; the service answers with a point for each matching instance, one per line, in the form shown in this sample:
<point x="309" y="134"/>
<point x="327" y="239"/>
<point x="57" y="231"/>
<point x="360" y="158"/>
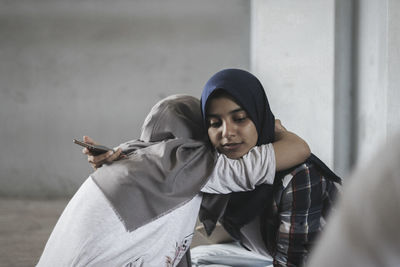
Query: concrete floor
<point x="25" y="226"/>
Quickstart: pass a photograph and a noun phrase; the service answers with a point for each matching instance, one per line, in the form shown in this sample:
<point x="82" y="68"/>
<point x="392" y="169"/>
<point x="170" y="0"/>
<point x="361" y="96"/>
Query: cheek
<point x="212" y="135"/>
<point x="251" y="134"/>
<point x="255" y="138"/>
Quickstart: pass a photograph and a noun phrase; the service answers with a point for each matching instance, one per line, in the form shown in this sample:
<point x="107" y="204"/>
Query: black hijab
<point x="248" y="92"/>
<point x="236" y="209"/>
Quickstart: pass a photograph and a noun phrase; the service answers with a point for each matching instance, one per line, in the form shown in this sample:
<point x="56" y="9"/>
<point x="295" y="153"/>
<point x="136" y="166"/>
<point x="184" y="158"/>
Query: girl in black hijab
<point x="282" y="219"/>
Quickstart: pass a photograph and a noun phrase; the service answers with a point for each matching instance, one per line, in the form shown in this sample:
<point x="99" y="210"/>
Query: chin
<point x="234" y="155"/>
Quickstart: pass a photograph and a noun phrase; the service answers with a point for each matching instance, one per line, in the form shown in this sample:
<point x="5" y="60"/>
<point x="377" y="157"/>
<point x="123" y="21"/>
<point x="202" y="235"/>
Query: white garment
<point x="228" y="255"/>
<point x="89" y="232"/>
<point x="255" y="168"/>
<point x="364" y="231"/>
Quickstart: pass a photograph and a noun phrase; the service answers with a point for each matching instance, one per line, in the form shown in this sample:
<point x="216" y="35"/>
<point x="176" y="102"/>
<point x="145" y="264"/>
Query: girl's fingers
<point x="114" y="156"/>
<point x="100" y="159"/>
<point x="89" y="140"/>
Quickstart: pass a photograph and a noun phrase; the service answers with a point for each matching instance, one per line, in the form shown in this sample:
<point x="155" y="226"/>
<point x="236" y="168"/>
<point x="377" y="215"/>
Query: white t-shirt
<point x="89" y="232"/>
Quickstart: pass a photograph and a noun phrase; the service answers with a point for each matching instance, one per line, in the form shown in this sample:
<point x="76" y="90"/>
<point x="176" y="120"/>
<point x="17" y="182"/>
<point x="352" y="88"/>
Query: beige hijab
<point x="165" y="168"/>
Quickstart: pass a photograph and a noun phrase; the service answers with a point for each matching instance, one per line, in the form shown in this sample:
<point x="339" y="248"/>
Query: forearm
<point x="290" y="150"/>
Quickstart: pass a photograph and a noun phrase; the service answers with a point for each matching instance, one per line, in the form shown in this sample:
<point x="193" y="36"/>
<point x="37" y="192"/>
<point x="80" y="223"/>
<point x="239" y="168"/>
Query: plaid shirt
<point x="301" y="201"/>
<point x="282" y="219"/>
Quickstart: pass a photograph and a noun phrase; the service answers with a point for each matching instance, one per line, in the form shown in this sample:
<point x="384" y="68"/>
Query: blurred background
<point x="330" y="69"/>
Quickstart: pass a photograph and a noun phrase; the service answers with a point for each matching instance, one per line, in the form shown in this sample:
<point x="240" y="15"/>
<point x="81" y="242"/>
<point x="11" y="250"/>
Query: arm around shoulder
<point x="290" y="149"/>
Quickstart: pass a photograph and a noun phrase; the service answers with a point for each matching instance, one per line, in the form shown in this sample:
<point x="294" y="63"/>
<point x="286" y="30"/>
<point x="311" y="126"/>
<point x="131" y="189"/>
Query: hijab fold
<point x="164" y="169"/>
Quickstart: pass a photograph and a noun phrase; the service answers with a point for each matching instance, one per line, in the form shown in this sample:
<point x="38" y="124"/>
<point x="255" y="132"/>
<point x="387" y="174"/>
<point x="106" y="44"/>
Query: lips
<point x="231" y="146"/>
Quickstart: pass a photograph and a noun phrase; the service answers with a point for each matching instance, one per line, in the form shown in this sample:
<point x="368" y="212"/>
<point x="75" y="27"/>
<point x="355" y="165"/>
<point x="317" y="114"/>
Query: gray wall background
<point x="377" y="77"/>
<point x="73" y="68"/>
<point x="331" y="71"/>
<point x="292" y="52"/>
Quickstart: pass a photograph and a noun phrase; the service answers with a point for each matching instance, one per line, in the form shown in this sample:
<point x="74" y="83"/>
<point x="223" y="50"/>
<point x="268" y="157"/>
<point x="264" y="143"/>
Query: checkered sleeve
<point x="299" y="216"/>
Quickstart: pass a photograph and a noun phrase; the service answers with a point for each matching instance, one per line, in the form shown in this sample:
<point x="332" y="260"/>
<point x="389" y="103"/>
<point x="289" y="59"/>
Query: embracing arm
<point x="242" y="174"/>
<point x="290" y="149"/>
<point x="258" y="166"/>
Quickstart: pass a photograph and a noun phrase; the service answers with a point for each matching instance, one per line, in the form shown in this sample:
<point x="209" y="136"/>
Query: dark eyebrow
<point x="231" y="112"/>
<point x="236" y="110"/>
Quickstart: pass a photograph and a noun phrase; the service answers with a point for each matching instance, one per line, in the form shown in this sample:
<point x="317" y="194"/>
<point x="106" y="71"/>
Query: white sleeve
<point x="243" y="174"/>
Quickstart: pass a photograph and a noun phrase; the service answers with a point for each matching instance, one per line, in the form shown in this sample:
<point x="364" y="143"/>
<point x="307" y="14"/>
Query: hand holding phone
<point x="94" y="149"/>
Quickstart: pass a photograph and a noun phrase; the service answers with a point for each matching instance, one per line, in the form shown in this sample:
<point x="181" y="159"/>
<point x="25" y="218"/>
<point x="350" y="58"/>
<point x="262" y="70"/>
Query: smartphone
<point x="94" y="149"/>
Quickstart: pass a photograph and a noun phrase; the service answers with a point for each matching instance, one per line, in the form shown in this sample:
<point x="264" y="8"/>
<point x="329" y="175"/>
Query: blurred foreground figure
<point x="363" y="231"/>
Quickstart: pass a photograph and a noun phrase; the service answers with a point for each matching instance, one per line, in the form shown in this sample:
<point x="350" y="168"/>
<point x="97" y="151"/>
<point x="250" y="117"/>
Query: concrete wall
<point x="292" y="52"/>
<point x="69" y="68"/>
<point x="378" y="82"/>
<point x="73" y="68"/>
<point x="300" y="52"/>
<point x="393" y="59"/>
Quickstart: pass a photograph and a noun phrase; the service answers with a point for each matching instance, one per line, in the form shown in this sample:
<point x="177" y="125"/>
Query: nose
<point x="228" y="129"/>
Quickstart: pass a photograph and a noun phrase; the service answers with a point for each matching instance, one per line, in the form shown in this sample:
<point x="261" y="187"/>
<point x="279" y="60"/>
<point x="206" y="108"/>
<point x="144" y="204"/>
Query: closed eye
<point x="240" y="116"/>
<point x="213" y="123"/>
<point x="240" y="119"/>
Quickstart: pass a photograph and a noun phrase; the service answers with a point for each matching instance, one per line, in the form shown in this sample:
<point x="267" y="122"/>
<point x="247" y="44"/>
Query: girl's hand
<point x="290" y="149"/>
<point x="99" y="160"/>
<point x="279" y="127"/>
